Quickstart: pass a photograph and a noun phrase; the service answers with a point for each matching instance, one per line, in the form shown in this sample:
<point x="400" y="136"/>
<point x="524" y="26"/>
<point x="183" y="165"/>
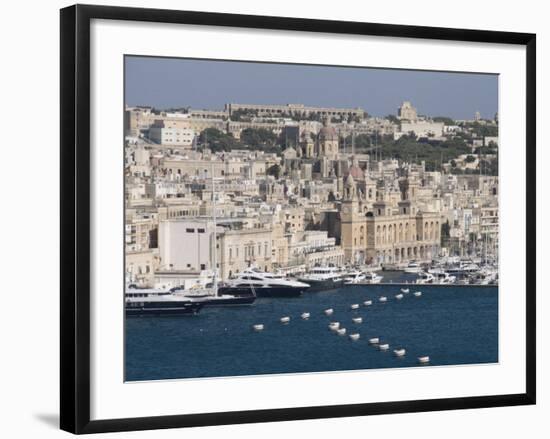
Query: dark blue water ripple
<point x="453" y="325"/>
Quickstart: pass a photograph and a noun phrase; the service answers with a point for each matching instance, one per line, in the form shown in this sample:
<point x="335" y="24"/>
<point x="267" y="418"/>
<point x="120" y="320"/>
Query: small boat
<point x="383" y="299"/>
<point x="354" y="337"/>
<point x="367" y="302"/>
<point x="333" y="326"/>
<point x="305" y="315"/>
<point x="357" y="320"/>
<point x="424" y="359"/>
<point x="399" y="352"/>
<point x="417" y="293"/>
<point x="354" y="306"/>
<point x="374" y="340"/>
<point x="285" y="319"/>
<point x="384" y="346"/>
<point x="413" y="267"/>
<point x="341" y="331"/>
<point x="399" y="296"/>
<point x="405" y="290"/>
<point x="329" y="312"/>
<point x="258" y="327"/>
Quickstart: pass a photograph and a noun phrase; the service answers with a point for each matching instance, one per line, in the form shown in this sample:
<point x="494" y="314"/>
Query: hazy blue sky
<point x="202" y="84"/>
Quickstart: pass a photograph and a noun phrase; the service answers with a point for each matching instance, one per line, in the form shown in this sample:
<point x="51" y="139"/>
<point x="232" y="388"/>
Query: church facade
<point x="377" y="229"/>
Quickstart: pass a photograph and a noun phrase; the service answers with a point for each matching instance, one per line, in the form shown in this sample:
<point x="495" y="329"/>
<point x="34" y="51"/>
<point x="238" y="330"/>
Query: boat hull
<point x="240" y="300"/>
<point x="275" y="291"/>
<point x="163" y="309"/>
<point x="320" y="285"/>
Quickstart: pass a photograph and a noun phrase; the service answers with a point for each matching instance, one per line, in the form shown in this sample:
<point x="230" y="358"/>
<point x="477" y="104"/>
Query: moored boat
<point x="154" y="302"/>
<point x="323" y="278"/>
<point x="253" y="281"/>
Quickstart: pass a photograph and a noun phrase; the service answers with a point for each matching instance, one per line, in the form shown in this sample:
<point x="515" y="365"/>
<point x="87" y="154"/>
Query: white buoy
<point x="384" y="346"/>
<point x="383" y="299"/>
<point x="354" y="337"/>
<point x="355" y="306"/>
<point x="374" y="340"/>
<point x="405" y="290"/>
<point x="329" y="311"/>
<point x="357" y="320"/>
<point x="424" y="359"/>
<point x="341" y="331"/>
<point x="399" y="296"/>
<point x="333" y="326"/>
<point x="258" y="327"/>
<point x="305" y="315"/>
<point x="399" y="352"/>
<point x="367" y="302"/>
<point x="418" y="293"/>
<point x="285" y="319"/>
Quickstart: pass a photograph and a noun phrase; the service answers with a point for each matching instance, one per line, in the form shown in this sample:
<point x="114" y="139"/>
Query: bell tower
<point x="353" y="224"/>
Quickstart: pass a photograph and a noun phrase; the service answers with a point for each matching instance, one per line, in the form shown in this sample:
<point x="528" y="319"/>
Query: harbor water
<point x="451" y="324"/>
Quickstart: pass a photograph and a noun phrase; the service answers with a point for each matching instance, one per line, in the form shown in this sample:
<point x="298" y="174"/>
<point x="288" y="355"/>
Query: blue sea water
<point x="452" y="324"/>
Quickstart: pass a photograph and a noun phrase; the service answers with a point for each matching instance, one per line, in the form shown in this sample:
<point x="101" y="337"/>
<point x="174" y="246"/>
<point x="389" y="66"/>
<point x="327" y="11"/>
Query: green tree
<point x="217" y="140"/>
<point x="274" y="170"/>
<point x="445" y="120"/>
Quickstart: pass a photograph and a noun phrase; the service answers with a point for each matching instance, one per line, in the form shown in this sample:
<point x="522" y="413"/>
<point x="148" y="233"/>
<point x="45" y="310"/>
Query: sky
<point x="208" y="84"/>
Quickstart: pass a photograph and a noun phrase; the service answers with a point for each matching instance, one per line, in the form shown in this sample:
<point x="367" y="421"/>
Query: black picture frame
<point x="75" y="217"/>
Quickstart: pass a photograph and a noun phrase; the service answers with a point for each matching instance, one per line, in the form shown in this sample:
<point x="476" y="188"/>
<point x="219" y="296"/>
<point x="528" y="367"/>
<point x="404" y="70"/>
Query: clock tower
<point x="353" y="224"/>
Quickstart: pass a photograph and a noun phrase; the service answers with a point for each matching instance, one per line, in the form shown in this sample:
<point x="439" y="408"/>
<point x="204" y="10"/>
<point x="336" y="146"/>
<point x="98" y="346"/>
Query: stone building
<point x="377" y="229"/>
<point x="407" y="112"/>
<point x="328" y="141"/>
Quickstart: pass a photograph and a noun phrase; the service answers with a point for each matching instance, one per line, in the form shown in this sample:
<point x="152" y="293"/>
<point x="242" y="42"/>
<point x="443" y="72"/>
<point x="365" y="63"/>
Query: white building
<point x="172" y="136"/>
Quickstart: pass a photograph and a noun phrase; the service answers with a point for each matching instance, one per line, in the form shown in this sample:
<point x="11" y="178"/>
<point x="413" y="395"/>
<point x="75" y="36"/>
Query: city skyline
<point x="161" y="83"/>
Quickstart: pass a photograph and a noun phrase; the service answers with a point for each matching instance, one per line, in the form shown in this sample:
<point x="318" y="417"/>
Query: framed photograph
<point x="273" y="218"/>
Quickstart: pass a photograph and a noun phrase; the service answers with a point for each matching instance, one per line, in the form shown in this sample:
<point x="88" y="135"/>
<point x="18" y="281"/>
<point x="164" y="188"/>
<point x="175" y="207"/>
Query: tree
<point x="217" y="140"/>
<point x="274" y="170"/>
<point x="445" y="232"/>
<point x="258" y="138"/>
<point x="445" y="120"/>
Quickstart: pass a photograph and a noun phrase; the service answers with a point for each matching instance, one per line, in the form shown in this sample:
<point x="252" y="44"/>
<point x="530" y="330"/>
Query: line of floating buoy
<point x="382" y="299"/>
<point x="424" y="359"/>
<point x="367" y="302"/>
<point x="357" y="320"/>
<point x="399" y="352"/>
<point x="383" y="346"/>
<point x="374" y="340"/>
<point x="329" y="311"/>
<point x="355" y="306"/>
<point x="354" y="337"/>
<point x="405" y="290"/>
<point x="418" y="293"/>
<point x="305" y="315"/>
<point x="333" y="326"/>
<point x="341" y="331"/>
<point x="258" y="327"/>
<point x="399" y="296"/>
<point x="285" y="319"/>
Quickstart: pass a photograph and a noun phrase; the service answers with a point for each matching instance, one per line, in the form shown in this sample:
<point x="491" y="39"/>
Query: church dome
<point x="328" y="133"/>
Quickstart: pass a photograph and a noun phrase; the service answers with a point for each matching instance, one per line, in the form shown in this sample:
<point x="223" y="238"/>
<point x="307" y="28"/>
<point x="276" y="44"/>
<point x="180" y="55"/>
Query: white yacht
<point x="372" y="278"/>
<point x="354" y="277"/>
<point x="141" y="302"/>
<point x="323" y="278"/>
<point x="413" y="267"/>
<point x="441" y="277"/>
<point x="263" y="284"/>
<point x="425" y="278"/>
